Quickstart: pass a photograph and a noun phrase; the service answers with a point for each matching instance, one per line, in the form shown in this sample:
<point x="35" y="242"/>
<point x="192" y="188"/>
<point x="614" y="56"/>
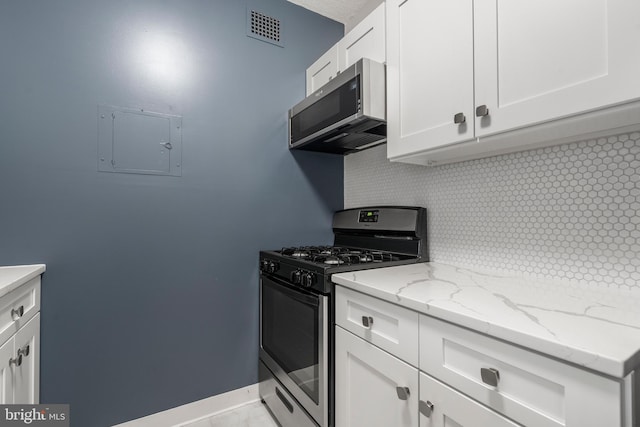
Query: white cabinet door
<point x="507" y="65"/>
<point x="6" y="374"/>
<point x="323" y="70"/>
<point x="442" y="406"/>
<point x="27" y="375"/>
<point x="367" y="382"/>
<point x="429" y="74"/>
<point x="365" y="40"/>
<point x="545" y="60"/>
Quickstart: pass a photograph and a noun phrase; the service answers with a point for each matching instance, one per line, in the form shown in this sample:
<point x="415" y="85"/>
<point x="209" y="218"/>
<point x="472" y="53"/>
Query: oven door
<point x="294" y="331"/>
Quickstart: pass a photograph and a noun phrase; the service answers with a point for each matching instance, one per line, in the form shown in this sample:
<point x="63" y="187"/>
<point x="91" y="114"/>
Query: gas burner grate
<point x="337" y="255"/>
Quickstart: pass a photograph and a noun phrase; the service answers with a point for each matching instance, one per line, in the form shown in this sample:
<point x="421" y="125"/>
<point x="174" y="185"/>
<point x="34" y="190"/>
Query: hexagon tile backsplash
<point x="569" y="212"/>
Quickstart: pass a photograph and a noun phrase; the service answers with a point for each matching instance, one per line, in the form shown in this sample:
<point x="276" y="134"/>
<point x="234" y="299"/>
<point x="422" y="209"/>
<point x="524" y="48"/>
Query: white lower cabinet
<point x="373" y="388"/>
<point x="525" y="386"/>
<point x="20" y="365"/>
<point x="6" y="375"/>
<point x="463" y="378"/>
<point x="442" y="406"/>
<point x="20" y="344"/>
<point x="388" y="326"/>
<point x="26" y="373"/>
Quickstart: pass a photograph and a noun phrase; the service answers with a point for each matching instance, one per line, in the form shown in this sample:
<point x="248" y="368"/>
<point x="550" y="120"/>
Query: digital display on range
<point x="368" y="216"/>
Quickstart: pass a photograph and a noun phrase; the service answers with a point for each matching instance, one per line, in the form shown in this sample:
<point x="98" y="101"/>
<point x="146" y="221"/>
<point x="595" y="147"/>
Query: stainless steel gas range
<point x="296" y="364"/>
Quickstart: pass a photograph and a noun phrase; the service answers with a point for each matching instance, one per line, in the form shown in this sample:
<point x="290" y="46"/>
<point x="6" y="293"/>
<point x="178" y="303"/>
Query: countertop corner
<point x="14" y="276"/>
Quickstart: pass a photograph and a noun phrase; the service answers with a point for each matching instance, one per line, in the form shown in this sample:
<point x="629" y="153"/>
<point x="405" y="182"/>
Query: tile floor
<point x="250" y="415"/>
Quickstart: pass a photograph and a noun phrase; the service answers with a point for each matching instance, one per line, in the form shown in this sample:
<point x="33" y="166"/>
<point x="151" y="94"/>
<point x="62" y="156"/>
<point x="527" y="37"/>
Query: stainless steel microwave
<point x="345" y="115"/>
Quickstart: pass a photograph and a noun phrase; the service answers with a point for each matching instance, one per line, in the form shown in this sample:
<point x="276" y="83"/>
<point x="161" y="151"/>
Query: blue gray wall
<point x="150" y="298"/>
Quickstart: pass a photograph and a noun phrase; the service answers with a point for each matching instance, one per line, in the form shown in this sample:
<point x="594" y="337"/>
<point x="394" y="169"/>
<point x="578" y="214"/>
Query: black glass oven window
<point x="290" y="334"/>
<point x="336" y="106"/>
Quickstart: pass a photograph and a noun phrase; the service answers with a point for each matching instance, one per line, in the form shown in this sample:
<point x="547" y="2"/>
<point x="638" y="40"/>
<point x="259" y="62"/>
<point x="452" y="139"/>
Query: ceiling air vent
<point x="264" y="27"/>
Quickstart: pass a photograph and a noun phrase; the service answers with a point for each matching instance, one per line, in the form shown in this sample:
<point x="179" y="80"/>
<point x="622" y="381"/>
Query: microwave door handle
<point x="333" y="138"/>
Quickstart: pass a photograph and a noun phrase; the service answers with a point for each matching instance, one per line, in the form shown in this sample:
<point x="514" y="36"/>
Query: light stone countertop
<point x="595" y="328"/>
<point x="11" y="277"/>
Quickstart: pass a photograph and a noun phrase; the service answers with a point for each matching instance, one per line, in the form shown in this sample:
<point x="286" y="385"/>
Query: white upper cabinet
<point x="545" y="60"/>
<point x="365" y="40"/>
<point x="429" y="74"/>
<point x="323" y="70"/>
<point x="478" y="72"/>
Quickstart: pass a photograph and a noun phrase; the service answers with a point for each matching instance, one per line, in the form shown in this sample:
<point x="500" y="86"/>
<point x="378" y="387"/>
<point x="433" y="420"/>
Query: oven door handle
<point x="298" y="295"/>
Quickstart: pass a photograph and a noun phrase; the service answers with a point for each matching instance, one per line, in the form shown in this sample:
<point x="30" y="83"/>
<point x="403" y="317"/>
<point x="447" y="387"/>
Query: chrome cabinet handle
<point x="459" y="118"/>
<point x="482" y="111"/>
<point x="490" y="376"/>
<point x="16" y="314"/>
<point x="403" y="393"/>
<point x="367" y="321"/>
<point x="425" y="408"/>
<point x="24" y="351"/>
<point x="17" y="361"/>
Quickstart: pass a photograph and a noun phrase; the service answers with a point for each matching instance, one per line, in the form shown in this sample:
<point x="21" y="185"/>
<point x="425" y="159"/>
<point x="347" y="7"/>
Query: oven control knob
<point x="307" y="280"/>
<point x="264" y="264"/>
<point x="296" y="277"/>
<point x="272" y="267"/>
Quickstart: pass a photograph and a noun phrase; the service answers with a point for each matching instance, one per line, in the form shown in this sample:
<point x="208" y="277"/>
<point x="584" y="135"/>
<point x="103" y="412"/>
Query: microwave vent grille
<point x="264" y="27"/>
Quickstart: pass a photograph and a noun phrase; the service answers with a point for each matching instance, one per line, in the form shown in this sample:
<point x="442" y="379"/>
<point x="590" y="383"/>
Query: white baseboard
<point x="194" y="411"/>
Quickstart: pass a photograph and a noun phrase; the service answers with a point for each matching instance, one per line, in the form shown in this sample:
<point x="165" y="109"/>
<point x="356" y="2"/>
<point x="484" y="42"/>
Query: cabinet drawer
<point x="389" y="326"/>
<point x="18" y="307"/>
<point x="279" y="401"/>
<point x="529" y="388"/>
<point x="446" y="407"/>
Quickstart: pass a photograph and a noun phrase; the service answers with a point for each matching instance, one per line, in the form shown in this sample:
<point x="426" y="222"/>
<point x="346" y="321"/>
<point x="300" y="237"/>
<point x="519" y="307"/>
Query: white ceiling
<point x="348" y="12"/>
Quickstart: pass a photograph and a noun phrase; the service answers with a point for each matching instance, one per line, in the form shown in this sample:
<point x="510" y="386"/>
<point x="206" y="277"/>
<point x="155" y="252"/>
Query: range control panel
<point x="368" y="216"/>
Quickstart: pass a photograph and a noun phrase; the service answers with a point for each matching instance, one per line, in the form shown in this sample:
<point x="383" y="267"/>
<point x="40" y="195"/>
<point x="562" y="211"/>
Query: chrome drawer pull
<point x="425" y="408"/>
<point x="16" y="314"/>
<point x="17" y="361"/>
<point x="459" y="119"/>
<point x="490" y="376"/>
<point x="403" y="393"/>
<point x="482" y="111"/>
<point x="24" y="351"/>
<point x="367" y="321"/>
